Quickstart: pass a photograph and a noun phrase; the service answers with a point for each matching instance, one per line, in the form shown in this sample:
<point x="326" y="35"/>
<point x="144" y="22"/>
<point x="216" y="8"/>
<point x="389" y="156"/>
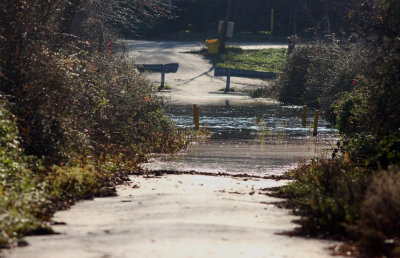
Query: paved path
<point x="194" y="82"/>
<point x="177" y="215"/>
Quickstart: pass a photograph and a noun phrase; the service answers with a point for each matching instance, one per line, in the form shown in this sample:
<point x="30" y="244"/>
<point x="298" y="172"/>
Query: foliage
<point x="379" y="227"/>
<point x="375" y="102"/>
<point x="328" y="195"/>
<point x="20" y="197"/>
<point x="75" y="116"/>
<point x="319" y="73"/>
<point x="356" y="83"/>
<point x="291" y="84"/>
<point x="337" y="198"/>
<point x="29" y="193"/>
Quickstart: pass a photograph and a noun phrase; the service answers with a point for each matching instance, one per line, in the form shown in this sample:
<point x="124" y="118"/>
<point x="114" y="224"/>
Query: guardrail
<point x="161" y="68"/>
<point x="228" y="72"/>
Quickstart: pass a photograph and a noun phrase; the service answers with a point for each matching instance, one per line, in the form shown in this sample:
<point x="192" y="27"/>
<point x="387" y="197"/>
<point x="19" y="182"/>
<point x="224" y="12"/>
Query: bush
<point x="354" y="195"/>
<point x="73" y="119"/>
<point x="317" y="74"/>
<point x="367" y="116"/>
<point x="336" y="198"/>
<point x="291" y="83"/>
<point x="379" y="224"/>
<point x="21" y="197"/>
<point x="327" y="193"/>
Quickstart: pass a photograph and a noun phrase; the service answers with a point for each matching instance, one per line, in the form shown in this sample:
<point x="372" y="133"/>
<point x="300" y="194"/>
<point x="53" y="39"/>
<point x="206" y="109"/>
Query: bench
<point x="160" y="68"/>
<point x="228" y="72"/>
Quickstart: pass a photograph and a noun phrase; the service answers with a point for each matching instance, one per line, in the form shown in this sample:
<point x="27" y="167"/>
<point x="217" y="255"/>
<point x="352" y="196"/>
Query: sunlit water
<point x="252" y="138"/>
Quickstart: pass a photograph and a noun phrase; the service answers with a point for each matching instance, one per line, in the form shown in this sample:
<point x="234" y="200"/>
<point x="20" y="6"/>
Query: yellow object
<point x="212" y="45"/>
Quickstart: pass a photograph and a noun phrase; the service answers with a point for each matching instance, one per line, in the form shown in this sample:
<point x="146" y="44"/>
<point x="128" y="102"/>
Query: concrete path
<point x="194" y="83"/>
<point x="178" y="215"/>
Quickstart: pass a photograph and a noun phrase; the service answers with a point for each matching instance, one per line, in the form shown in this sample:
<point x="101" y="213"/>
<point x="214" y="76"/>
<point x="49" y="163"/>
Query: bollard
<point x="316" y="115"/>
<point x="303" y="123"/>
<point x="196" y="114"/>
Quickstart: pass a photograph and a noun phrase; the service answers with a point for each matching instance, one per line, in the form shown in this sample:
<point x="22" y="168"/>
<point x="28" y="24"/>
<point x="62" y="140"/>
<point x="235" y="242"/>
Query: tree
<point x="46" y="52"/>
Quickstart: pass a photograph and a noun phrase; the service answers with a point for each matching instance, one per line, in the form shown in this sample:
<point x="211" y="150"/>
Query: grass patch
<point x="266" y="60"/>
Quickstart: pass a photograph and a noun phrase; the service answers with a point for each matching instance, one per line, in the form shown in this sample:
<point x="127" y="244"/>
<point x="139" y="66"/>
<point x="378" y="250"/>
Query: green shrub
<point x="291" y="84"/>
<point x="317" y="74"/>
<point x="334" y="69"/>
<point x="367" y="116"/>
<point x="21" y="196"/>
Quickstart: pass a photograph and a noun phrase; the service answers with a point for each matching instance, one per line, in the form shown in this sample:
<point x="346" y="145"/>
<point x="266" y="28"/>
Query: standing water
<point x="254" y="137"/>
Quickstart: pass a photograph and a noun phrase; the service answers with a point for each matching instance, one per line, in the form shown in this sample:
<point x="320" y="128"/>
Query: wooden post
<point x="304" y="116"/>
<point x="196" y="114"/>
<point x="316" y="115"/>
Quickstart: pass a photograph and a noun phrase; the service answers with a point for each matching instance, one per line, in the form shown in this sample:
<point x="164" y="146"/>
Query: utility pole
<point x="224" y="27"/>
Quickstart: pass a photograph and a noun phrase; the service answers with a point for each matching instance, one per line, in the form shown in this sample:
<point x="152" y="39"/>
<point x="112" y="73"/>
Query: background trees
<point x="304" y="17"/>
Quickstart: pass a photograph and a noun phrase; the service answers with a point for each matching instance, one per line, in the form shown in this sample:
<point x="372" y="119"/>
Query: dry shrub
<point x="379" y="226"/>
<point x="327" y="193"/>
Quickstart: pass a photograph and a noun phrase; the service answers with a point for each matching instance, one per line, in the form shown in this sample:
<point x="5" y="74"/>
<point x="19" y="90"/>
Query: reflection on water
<point x="255" y="138"/>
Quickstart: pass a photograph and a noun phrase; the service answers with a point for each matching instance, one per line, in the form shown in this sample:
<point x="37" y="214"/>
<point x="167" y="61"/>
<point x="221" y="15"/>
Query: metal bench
<point x="228" y="72"/>
<point x="161" y="68"/>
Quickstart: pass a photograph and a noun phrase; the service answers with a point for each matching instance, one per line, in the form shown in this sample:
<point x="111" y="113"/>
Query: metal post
<point x="304" y="117"/>
<point x="164" y="68"/>
<point x="316" y="115"/>
<point x="228" y="81"/>
<point x="196" y="115"/>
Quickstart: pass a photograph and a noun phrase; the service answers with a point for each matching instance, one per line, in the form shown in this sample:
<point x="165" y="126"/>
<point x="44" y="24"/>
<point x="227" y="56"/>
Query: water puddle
<point x="262" y="138"/>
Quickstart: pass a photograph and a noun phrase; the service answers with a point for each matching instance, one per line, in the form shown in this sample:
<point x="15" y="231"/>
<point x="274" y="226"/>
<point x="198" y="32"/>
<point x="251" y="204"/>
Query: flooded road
<point x="194" y="215"/>
<point x="258" y="137"/>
